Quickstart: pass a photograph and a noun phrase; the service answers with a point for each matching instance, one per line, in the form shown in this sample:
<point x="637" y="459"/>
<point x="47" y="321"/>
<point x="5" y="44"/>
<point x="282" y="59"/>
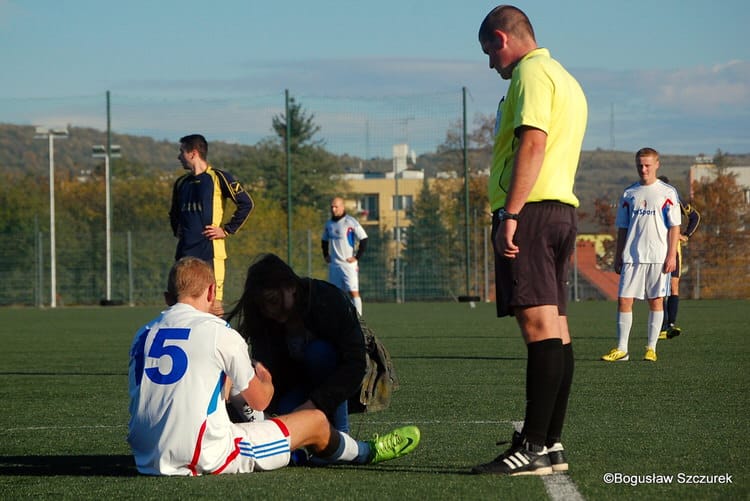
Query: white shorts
<point x="344" y="275"/>
<point x="261" y="446"/>
<point x="645" y="280"/>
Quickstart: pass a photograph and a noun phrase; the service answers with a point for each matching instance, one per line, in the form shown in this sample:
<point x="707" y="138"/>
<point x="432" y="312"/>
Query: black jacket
<point x="328" y="314"/>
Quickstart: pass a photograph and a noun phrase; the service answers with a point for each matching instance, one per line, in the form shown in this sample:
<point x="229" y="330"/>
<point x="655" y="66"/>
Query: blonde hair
<point x="189" y="277"/>
<point x="647" y="152"/>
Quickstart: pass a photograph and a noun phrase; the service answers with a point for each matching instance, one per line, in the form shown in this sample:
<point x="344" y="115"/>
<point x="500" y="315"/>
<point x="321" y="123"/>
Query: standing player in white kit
<point x="343" y="242"/>
<point x="648" y="232"/>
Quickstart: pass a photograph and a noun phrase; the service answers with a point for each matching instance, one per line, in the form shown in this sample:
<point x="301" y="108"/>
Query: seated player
<point x="180" y="365"/>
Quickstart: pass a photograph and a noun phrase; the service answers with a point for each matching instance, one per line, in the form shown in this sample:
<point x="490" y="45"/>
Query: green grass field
<point x="63" y="388"/>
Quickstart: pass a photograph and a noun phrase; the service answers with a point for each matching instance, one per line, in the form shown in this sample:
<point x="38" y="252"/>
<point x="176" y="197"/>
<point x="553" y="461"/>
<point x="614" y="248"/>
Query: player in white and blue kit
<point x="648" y="222"/>
<point x="182" y="365"/>
<point x="343" y="242"/>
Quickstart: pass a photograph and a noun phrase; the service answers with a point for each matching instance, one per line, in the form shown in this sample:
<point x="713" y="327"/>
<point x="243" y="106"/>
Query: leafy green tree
<point x="453" y="192"/>
<point x="375" y="264"/>
<point x="266" y="231"/>
<point x="721" y="242"/>
<point x="302" y="127"/>
<point x="23" y="213"/>
<point x="427" y="258"/>
<point x="312" y="165"/>
<point x="604" y="217"/>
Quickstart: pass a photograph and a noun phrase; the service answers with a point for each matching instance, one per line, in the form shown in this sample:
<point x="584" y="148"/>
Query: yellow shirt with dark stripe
<point x="198" y="201"/>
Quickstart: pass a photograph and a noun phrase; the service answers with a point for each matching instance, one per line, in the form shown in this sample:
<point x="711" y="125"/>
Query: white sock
<point x="624" y="323"/>
<point x="358" y="304"/>
<point x="655" y="319"/>
<point x="349" y="451"/>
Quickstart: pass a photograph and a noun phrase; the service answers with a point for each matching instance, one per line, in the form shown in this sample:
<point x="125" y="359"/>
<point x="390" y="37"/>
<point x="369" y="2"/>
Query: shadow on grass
<point x="454" y="357"/>
<point x="434" y="469"/>
<point x="84" y="466"/>
<point x="123" y="466"/>
<point x="63" y="373"/>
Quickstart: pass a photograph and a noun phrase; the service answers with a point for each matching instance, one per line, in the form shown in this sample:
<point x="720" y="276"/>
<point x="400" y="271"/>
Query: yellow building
<point x="372" y="198"/>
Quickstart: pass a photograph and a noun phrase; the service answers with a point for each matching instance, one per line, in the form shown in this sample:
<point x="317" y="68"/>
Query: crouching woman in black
<point x="307" y="333"/>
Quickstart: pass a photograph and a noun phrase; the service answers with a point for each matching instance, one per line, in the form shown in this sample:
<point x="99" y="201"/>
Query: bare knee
<point x="624" y="304"/>
<point x="308" y="427"/>
<point x="656" y="304"/>
<point x="539" y="323"/>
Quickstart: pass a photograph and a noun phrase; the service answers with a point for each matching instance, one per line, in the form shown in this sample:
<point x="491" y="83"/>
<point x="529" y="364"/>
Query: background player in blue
<point x="198" y="215"/>
<point x="672" y="302"/>
<point x="344" y="241"/>
<point x="182" y="365"/>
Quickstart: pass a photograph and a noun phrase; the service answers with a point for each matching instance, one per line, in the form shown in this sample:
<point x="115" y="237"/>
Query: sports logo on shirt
<point x="644" y="211"/>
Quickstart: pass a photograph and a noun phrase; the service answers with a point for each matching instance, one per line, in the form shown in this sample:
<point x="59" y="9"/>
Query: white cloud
<point x="709" y="91"/>
<point x="684" y="110"/>
<point x="366" y="100"/>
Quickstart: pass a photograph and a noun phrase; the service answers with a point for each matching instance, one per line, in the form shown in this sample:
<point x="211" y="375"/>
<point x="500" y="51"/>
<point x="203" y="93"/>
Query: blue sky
<point x="674" y="74"/>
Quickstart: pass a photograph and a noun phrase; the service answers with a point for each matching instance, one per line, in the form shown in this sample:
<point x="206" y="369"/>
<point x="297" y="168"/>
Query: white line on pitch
<point x="559" y="486"/>
<point x="36" y="428"/>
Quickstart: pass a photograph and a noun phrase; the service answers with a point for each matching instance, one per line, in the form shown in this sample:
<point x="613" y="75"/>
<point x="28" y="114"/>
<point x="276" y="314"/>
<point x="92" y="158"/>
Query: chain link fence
<point x="360" y="131"/>
<point x="141" y="262"/>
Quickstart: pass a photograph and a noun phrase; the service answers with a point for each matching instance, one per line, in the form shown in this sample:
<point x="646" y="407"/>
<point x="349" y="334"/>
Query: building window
<point x="402" y="202"/>
<point x="368" y="207"/>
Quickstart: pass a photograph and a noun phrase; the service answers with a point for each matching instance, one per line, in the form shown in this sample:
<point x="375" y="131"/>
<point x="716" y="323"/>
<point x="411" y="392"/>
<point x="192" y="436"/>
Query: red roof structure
<point x="605" y="282"/>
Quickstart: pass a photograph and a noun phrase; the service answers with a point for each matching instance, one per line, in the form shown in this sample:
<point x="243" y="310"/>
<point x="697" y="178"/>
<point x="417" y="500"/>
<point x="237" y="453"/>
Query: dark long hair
<point x="267" y="272"/>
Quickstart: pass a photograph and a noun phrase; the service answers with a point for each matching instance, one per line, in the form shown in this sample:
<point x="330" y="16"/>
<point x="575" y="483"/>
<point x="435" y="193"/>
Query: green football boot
<point x="395" y="444"/>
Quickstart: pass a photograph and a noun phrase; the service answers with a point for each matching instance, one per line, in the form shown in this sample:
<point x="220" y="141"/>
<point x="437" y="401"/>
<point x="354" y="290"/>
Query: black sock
<point x="673" y="302"/>
<point x="561" y="404"/>
<point x="544" y="371"/>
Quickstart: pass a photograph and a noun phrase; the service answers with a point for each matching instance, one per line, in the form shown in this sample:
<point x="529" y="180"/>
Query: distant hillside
<point x="601" y="173"/>
<point x="19" y="151"/>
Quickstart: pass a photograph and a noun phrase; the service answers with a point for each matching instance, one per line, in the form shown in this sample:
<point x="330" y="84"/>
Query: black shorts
<point x="546" y="237"/>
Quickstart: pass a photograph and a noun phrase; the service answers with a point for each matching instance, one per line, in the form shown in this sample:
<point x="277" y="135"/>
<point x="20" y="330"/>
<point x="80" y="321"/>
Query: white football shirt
<point x="342" y="236"/>
<point x="178" y="367"/>
<point x="647" y="211"/>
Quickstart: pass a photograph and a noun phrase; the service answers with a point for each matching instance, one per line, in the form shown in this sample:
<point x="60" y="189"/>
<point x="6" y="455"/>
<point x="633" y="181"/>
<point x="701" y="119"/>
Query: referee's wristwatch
<point x="504" y="215"/>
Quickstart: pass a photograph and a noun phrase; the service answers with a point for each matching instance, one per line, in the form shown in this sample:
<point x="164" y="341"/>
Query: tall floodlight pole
<point x="400" y="153"/>
<point x="466" y="194"/>
<point x="396" y="202"/>
<point x="50" y="135"/>
<point x="288" y="146"/>
<point x="108" y="207"/>
<point x="107" y="152"/>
